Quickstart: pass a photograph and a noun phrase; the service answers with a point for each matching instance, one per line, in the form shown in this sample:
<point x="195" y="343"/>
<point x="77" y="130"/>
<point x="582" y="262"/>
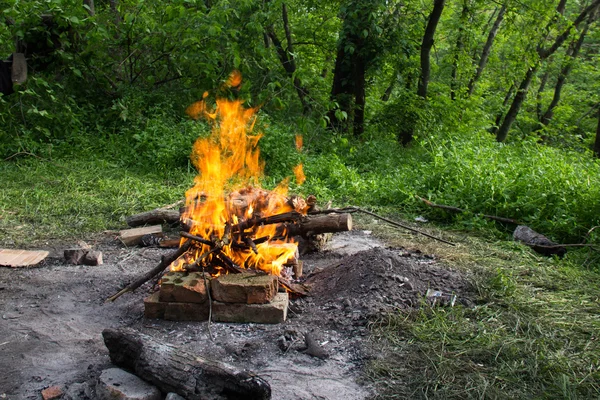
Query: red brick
<point x="183" y="287"/>
<point x="244" y="288"/>
<point x="271" y="313"/>
<point x="153" y="307"/>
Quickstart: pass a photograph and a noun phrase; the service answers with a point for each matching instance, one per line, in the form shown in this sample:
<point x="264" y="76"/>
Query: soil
<point x="52" y="317"/>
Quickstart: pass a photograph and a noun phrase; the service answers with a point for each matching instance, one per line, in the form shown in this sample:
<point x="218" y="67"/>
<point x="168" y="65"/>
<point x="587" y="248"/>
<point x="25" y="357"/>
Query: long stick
<point x="164" y="263"/>
<point x="352" y="209"/>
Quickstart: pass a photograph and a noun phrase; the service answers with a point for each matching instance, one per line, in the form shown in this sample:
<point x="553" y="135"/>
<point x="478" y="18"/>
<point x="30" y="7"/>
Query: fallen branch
<point x="352" y="209"/>
<point x="460" y="210"/>
<point x="164" y="263"/>
<point x="173" y="370"/>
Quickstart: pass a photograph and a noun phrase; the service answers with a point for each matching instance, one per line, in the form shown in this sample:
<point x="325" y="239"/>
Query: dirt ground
<point x="52" y="317"/>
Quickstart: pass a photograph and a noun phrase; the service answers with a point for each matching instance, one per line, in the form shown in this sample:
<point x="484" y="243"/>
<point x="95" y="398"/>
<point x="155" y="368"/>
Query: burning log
<point x="173" y="370"/>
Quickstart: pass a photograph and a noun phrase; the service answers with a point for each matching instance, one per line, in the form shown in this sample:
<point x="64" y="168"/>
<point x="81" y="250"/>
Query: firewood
<point x="92" y="257"/>
<point x="157" y="216"/>
<point x="174" y="370"/>
<point x="538" y="242"/>
<point x="75" y="256"/>
<point x="317" y="224"/>
<point x="164" y="263"/>
<point x="132" y="237"/>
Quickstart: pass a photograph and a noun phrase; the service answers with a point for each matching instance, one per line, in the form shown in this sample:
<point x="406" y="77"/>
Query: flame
<point x="226" y="191"/>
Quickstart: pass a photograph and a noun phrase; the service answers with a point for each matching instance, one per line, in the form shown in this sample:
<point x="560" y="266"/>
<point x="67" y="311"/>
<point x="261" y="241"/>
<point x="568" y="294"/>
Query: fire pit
<point x="238" y="255"/>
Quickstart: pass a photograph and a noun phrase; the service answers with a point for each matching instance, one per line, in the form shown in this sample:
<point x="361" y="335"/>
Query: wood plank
<point x="21" y="258"/>
<point x="132" y="237"/>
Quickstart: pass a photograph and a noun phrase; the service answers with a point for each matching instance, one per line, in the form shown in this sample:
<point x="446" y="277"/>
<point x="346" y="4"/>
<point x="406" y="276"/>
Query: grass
<point x="533" y="332"/>
<point x="63" y="198"/>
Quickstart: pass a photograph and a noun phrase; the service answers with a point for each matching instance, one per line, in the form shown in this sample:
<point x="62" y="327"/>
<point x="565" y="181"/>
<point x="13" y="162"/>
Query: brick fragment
<point x="51" y="393"/>
<point x="244" y="288"/>
<point x="153" y="307"/>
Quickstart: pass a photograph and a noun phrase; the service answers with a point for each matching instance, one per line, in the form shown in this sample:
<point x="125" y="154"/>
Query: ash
<point x="53" y="316"/>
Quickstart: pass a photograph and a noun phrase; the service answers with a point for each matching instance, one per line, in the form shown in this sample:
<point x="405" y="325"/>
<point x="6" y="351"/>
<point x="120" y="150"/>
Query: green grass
<point x="533" y="332"/>
<point x="66" y="198"/>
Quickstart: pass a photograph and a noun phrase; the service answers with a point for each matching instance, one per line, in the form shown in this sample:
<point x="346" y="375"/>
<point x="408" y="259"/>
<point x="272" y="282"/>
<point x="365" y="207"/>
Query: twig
<point x="197" y="239"/>
<point x="353" y="209"/>
<point x="209" y="304"/>
<point x="164" y="263"/>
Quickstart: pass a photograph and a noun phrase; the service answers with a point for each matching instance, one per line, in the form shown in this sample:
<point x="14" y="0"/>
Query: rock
<point x="51" y="393"/>
<point x="78" y="391"/>
<point x="116" y="384"/>
<point x="174" y="396"/>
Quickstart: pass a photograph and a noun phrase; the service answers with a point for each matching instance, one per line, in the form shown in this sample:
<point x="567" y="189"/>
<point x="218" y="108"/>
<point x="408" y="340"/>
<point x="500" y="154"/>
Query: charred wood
<point x="173" y="370"/>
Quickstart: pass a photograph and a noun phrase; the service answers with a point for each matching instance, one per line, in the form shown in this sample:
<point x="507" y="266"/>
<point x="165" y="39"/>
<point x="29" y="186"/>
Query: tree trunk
<point x="540" y="91"/>
<point x="562" y="76"/>
<point x="487" y="48"/>
<point x="427" y="44"/>
<point x="500" y="114"/>
<point x="286" y="56"/>
<point x="516" y="104"/>
<point x="174" y="370"/>
<point x="359" y="97"/>
<point x="460" y="43"/>
<point x="341" y="89"/>
<point x="543" y="54"/>
<point x="90" y="7"/>
<point x="388" y="90"/>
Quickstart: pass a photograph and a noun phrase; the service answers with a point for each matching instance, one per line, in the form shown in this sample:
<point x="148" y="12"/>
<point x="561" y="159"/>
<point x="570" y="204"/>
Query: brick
<point x="271" y="313"/>
<point x="186" y="311"/>
<point x="183" y="287"/>
<point x="116" y="384"/>
<point x="244" y="288"/>
<point x="153" y="307"/>
<point x="51" y="393"/>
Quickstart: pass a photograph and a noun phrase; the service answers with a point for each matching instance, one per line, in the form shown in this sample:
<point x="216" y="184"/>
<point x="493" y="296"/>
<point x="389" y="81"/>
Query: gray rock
<point x="174" y="396"/>
<point x="116" y="384"/>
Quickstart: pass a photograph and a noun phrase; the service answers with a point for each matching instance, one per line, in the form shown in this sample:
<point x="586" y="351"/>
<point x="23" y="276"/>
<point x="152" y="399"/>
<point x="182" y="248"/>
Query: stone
<point x="153" y="307"/>
<point x="173" y="396"/>
<point x="184" y="287"/>
<point x="244" y="288"/>
<point x="273" y="312"/>
<point x="116" y="384"/>
<point x="51" y="393"/>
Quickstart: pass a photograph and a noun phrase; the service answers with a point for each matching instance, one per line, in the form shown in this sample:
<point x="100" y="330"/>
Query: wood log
<point x="538" y="242"/>
<point x="173" y="370"/>
<point x="157" y="216"/>
<point x="317" y="224"/>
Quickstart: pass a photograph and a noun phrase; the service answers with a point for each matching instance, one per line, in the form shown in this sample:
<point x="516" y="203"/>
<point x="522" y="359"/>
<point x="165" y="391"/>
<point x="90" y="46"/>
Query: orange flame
<point x="226" y="191"/>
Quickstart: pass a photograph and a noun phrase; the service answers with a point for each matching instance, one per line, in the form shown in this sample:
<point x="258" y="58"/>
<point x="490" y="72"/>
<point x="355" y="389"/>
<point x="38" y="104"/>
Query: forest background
<point x="490" y="106"/>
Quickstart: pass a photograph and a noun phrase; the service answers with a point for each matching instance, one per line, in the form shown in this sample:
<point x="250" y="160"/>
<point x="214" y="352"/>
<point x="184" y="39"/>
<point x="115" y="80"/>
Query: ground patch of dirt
<point x="53" y="316"/>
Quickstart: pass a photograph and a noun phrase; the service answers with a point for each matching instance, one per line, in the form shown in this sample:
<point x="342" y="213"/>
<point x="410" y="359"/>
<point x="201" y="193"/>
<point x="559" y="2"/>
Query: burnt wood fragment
<point x="173" y="370"/>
